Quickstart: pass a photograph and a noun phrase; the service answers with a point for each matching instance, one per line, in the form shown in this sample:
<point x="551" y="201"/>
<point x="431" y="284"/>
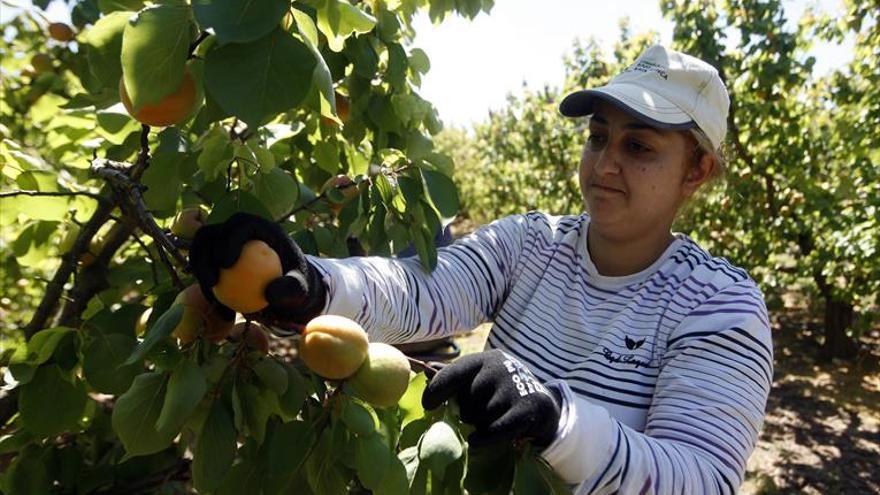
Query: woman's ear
<point x="697" y="174"/>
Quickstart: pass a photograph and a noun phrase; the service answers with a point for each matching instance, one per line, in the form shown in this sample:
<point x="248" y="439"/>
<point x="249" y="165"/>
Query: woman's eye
<point x="596" y="141"/>
<point x="637" y="147"/>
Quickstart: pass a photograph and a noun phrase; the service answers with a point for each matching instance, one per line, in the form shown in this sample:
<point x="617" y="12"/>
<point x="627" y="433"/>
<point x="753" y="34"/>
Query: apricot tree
<point x="116" y="135"/>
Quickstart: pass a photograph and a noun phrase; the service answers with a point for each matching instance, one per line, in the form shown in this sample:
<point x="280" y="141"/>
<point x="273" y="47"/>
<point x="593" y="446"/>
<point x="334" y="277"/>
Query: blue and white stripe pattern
<point x="665" y="373"/>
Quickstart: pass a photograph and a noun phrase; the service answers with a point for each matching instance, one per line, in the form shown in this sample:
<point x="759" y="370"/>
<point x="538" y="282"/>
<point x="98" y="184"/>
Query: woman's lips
<point x="607" y="189"/>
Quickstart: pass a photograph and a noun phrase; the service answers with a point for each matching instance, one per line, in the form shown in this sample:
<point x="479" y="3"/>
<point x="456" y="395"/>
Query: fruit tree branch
<point x="96" y="197"/>
<point x="93" y="278"/>
<point x="130" y="194"/>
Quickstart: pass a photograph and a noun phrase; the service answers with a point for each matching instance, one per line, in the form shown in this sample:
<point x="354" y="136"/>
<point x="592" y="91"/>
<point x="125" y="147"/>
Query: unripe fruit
<point x="333" y="346"/>
<point x="61" y="32"/>
<point x="257" y="336"/>
<point x="383" y="377"/>
<point x="171" y="110"/>
<point x="42" y="63"/>
<point x="199" y="318"/>
<point x="187" y="222"/>
<point x="242" y="286"/>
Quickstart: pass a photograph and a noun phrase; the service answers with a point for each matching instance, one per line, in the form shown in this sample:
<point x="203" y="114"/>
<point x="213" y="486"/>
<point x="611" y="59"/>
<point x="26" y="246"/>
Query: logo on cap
<point x="645" y="66"/>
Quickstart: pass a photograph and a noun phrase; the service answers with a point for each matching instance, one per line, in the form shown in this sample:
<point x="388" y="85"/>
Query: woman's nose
<point x="607" y="162"/>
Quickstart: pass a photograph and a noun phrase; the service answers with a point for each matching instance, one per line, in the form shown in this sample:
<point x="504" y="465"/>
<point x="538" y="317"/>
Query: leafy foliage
<point x="289" y="95"/>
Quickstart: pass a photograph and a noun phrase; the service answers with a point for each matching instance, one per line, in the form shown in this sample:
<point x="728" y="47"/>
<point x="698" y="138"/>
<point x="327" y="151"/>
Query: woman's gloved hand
<point x="294" y="298"/>
<point x="499" y="396"/>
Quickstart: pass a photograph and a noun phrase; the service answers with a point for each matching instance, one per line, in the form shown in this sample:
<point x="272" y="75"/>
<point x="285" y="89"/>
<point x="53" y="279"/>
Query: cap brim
<point x="644" y="105"/>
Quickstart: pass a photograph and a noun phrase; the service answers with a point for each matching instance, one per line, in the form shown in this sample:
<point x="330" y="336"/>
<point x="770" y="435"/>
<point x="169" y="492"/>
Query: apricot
<point x="343" y="184"/>
<point x="343" y="109"/>
<point x="59" y="31"/>
<point x="242" y="286"/>
<point x="187" y="222"/>
<point x="257" y="336"/>
<point x="199" y="318"/>
<point x="170" y="110"/>
<point x="333" y="346"/>
<point x="383" y="377"/>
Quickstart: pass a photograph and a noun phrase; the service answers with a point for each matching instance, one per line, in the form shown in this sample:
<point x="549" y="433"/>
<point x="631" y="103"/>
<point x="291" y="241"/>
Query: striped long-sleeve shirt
<point x="664" y="374"/>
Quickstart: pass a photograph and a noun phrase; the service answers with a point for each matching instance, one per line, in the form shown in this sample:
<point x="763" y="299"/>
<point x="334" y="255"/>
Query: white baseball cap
<point x="663" y="88"/>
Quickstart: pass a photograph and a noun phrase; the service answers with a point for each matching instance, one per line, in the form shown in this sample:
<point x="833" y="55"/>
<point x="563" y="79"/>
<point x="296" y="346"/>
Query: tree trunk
<point x="838" y="318"/>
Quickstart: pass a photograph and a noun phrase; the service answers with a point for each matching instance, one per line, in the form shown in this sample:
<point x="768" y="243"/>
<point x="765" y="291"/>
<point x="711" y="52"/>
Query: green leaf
<point x="358" y="418"/>
<point x="257" y="406"/>
<point x="103" y="44"/>
<point x="135" y="414"/>
<point x="338" y="20"/>
<point x="255" y="81"/>
<point x="42" y="345"/>
<point x="240" y="22"/>
<point x="30" y="472"/>
<point x="237" y="201"/>
<point x="373" y="461"/>
<point x="272" y="373"/>
<point x="418" y="61"/>
<point x="443" y="192"/>
<point x="162" y="181"/>
<point x="277" y="191"/>
<point x="440" y="447"/>
<point x="490" y="471"/>
<point x="155" y="45"/>
<point x="411" y="402"/>
<point x="215" y="449"/>
<point x="50" y="404"/>
<point x="287" y="447"/>
<point x="533" y="476"/>
<point x="244" y="477"/>
<point x="291" y="402"/>
<point x="157" y="333"/>
<point x="186" y="388"/>
<point x="110" y="6"/>
<point x="423" y="239"/>
<point x="321" y="466"/>
<point x="216" y="153"/>
<point x="102" y="362"/>
<point x="326" y="155"/>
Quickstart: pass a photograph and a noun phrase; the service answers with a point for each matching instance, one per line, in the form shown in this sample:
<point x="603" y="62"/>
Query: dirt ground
<point x="822" y="431"/>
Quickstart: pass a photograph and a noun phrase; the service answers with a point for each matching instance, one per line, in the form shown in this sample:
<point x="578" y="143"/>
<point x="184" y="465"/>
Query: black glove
<point x="295" y="297"/>
<point x="499" y="396"/>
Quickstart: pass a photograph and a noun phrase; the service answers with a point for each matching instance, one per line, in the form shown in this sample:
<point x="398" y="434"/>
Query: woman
<point x="635" y="359"/>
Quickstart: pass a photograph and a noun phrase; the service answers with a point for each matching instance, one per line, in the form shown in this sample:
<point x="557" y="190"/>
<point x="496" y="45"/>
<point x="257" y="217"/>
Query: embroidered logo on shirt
<point x="633" y="344"/>
<point x="638" y="362"/>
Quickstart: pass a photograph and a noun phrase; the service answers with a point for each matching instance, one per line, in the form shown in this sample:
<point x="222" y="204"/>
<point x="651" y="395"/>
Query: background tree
<point x="799" y="206"/>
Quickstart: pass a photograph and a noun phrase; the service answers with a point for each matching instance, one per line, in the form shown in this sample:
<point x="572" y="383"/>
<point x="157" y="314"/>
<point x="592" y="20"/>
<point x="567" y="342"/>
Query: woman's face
<point x="633" y="176"/>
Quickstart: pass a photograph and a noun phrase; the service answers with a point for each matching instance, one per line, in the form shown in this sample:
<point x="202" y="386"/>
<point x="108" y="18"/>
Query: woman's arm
<point x="705" y="417"/>
<point x="398" y="301"/>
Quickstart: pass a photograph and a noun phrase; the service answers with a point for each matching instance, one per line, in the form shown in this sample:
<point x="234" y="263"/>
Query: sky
<point x="475" y="64"/>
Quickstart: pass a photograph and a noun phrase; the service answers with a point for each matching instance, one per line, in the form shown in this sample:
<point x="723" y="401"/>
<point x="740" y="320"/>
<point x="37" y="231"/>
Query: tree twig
<point x="132" y="201"/>
<point x="95" y="196"/>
